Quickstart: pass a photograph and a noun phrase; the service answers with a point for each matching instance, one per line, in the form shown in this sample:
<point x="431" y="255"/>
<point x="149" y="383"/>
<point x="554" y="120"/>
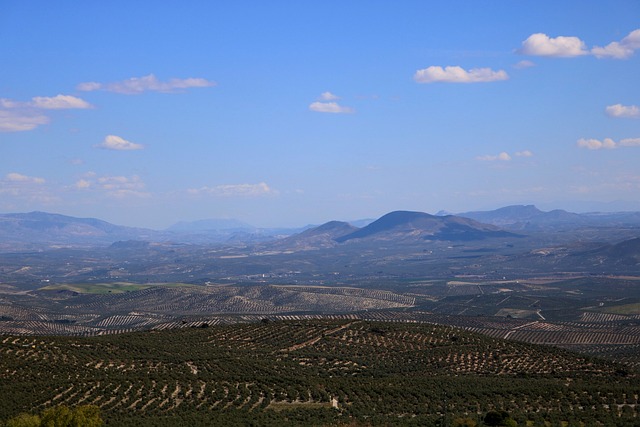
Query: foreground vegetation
<point x="316" y="372"/>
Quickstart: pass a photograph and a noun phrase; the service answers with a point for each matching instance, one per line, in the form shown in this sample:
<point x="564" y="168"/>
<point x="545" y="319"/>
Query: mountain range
<point x="38" y="230"/>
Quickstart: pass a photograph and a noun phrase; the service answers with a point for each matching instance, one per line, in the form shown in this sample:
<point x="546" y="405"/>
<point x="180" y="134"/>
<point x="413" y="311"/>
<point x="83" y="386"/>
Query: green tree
<point x="58" y="416"/>
<point x="24" y="420"/>
<point x="62" y="416"/>
<point x="86" y="416"/>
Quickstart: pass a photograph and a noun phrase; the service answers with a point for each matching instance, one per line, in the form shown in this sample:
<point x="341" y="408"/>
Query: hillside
<point x="323" y="236"/>
<point x="316" y="372"/>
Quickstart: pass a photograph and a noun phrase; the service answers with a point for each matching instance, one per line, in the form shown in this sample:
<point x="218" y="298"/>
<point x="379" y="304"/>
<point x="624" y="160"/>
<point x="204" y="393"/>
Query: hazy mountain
<point x="37" y="229"/>
<point x="527" y="217"/>
<point x="211" y="225"/>
<point x="418" y="226"/>
<point x="530" y="218"/>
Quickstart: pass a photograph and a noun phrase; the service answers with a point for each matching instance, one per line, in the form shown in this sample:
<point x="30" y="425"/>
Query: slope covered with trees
<point x="315" y="372"/>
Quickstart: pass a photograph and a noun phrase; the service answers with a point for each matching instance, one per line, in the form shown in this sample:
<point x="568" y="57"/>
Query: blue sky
<point x="285" y="113"/>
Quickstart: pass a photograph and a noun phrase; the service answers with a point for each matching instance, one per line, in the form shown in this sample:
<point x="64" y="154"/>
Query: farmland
<point x="311" y="371"/>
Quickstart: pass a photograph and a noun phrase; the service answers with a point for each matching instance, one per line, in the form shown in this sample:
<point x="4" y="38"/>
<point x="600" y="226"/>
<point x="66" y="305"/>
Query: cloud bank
<point x="607" y="143"/>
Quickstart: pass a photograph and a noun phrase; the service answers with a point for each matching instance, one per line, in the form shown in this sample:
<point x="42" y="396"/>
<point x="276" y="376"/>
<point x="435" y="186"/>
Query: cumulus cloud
<point x="330" y="107"/>
<point x="503" y="157"/>
<point x="607" y="143"/>
<point x="455" y="74"/>
<point x="138" y="85"/>
<point x="234" y="190"/>
<point x="60" y="102"/>
<point x="540" y="44"/>
<point x="113" y="142"/>
<point x="625" y="111"/>
<point x="619" y="50"/>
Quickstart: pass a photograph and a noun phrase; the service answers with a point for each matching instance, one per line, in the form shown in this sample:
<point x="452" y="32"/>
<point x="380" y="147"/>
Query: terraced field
<point x="312" y="372"/>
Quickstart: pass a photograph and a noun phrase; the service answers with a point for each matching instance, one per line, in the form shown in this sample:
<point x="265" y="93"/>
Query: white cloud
<point x="113" y="142"/>
<point x="627" y="111"/>
<point x="233" y="190"/>
<point x="328" y="96"/>
<point x="596" y="144"/>
<point x="540" y="44"/>
<point x="607" y="143"/>
<point x="330" y="107"/>
<point x="60" y="102"/>
<point x="503" y="157"/>
<point x="619" y="50"/>
<point x="137" y="85"/>
<point x="19" y="121"/>
<point x="17" y="177"/>
<point x="524" y="64"/>
<point x="525" y="153"/>
<point x="17" y="116"/>
<point x="455" y="74"/>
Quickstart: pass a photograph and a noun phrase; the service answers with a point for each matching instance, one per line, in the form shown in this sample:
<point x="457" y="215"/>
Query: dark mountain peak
<point x="417" y="226"/>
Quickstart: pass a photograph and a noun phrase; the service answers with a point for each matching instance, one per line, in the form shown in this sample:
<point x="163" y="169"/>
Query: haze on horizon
<point x="287" y="113"/>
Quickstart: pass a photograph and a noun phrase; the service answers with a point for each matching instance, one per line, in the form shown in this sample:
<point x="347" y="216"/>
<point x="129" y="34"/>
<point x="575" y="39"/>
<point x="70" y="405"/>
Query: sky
<point x="287" y="113"/>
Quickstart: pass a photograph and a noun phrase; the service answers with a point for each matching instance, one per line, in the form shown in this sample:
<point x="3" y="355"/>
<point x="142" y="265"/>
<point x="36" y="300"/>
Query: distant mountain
<point x="419" y="226"/>
<point x="38" y="229"/>
<point x="211" y="225"/>
<point x="323" y="236"/>
<point x="529" y="218"/>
